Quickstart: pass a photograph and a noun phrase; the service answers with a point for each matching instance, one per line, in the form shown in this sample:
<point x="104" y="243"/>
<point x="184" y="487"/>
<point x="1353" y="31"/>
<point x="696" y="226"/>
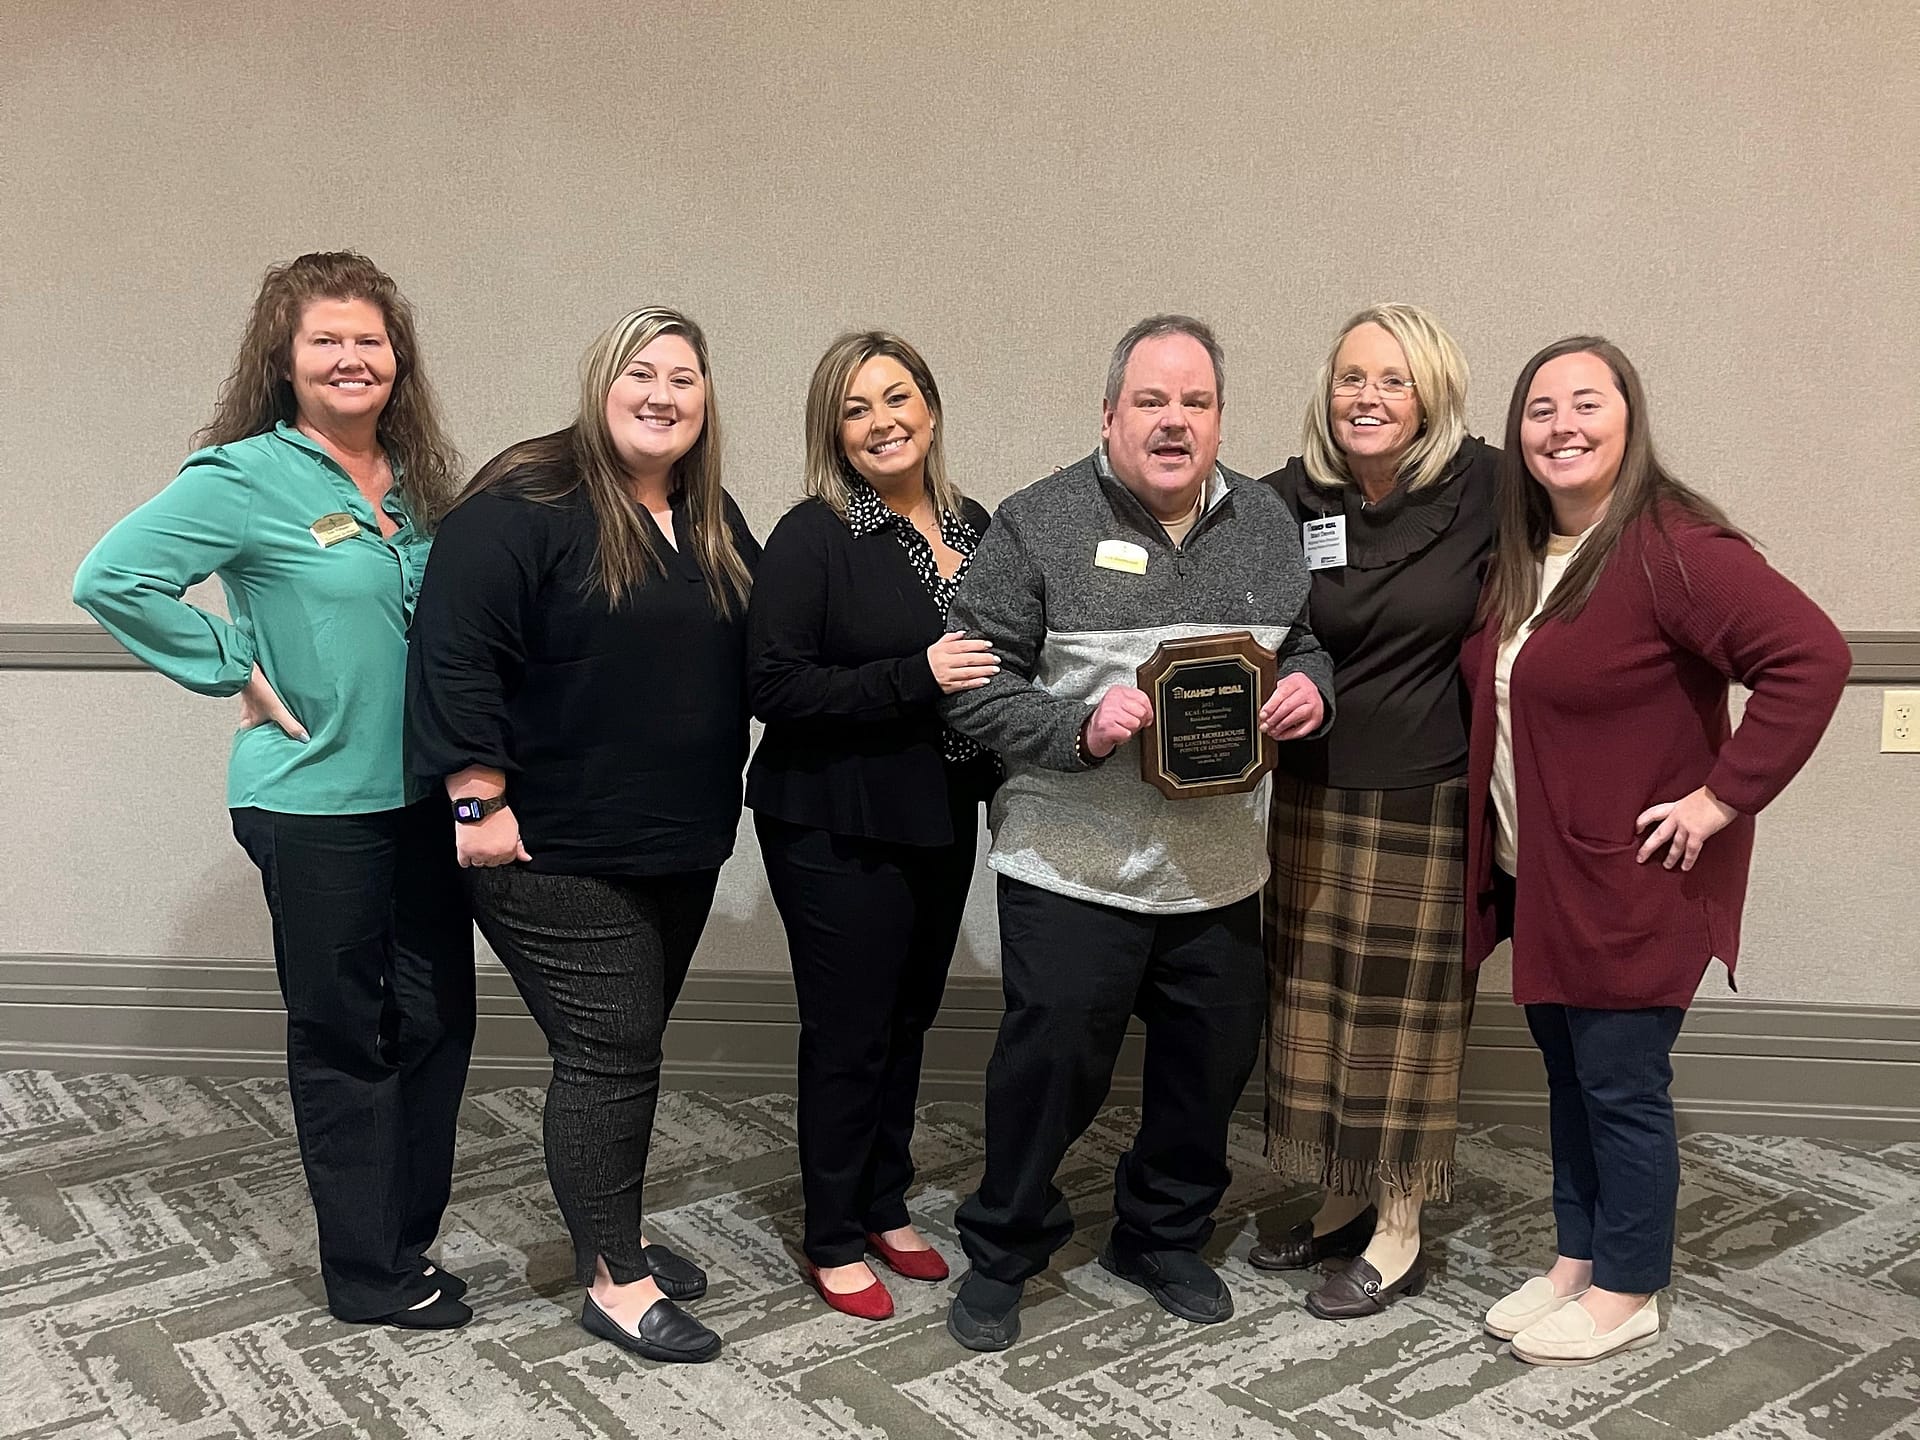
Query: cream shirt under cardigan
<point x="1506" y="830"/>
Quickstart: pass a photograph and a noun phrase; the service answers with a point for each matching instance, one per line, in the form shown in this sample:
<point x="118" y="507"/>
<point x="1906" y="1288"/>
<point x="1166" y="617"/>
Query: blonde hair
<point x="583" y="456"/>
<point x="257" y="394"/>
<point x="1439" y="388"/>
<point x="829" y="473"/>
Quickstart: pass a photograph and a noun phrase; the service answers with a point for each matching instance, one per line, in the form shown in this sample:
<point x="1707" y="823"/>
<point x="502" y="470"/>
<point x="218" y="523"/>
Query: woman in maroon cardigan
<point x="1611" y="804"/>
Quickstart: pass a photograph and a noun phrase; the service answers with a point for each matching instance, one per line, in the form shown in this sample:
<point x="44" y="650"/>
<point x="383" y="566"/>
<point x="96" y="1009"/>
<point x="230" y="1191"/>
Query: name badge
<point x="1122" y="555"/>
<point x="1325" y="542"/>
<point x="330" y="530"/>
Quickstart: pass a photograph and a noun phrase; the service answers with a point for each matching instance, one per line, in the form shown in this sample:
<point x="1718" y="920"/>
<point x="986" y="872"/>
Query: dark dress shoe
<point x="985" y="1313"/>
<point x="1301" y="1249"/>
<point x="678" y="1277"/>
<point x="1183" y="1283"/>
<point x="443" y="1312"/>
<point x="666" y="1333"/>
<point x="1357" y="1291"/>
<point x="450" y="1285"/>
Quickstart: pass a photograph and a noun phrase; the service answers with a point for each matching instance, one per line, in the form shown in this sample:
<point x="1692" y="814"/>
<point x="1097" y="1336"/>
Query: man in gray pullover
<point x="1114" y="900"/>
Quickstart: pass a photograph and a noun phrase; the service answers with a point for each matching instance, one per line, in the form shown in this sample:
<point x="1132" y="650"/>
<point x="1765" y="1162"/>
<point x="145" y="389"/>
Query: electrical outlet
<point x="1900" y="722"/>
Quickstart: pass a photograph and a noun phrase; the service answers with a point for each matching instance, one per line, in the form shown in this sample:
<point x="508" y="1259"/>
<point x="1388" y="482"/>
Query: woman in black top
<point x="1370" y="1001"/>
<point x="574" y="679"/>
<point x="865" y="805"/>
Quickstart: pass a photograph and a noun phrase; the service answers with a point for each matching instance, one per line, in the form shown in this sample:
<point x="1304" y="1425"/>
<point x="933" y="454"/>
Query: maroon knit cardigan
<point x="1625" y="706"/>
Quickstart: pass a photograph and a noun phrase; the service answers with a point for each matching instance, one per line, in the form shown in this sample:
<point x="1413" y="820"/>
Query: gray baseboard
<point x="1839" y="1071"/>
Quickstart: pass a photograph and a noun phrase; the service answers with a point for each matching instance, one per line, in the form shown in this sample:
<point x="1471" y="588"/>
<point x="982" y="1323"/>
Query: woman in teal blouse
<point x="313" y="501"/>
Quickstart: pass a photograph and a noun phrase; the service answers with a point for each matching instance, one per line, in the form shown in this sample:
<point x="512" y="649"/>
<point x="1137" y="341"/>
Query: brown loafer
<point x="1357" y="1291"/>
<point x="1301" y="1249"/>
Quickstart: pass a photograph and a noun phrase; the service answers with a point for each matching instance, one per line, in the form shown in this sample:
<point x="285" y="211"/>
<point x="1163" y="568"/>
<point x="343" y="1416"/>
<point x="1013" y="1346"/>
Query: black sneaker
<point x="985" y="1314"/>
<point x="1183" y="1283"/>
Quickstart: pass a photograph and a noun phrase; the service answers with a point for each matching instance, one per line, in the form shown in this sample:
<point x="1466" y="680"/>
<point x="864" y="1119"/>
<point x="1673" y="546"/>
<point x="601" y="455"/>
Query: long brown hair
<point x="1643" y="487"/>
<point x="828" y="471"/>
<point x="258" y="395"/>
<point x="582" y="456"/>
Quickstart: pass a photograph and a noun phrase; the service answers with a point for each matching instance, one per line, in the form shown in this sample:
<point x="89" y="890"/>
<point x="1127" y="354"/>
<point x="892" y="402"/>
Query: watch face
<point x="466" y="809"/>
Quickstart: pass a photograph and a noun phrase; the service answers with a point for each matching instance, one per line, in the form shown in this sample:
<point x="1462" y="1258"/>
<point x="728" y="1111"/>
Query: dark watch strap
<point x="1080" y="752"/>
<point x="472" y="809"/>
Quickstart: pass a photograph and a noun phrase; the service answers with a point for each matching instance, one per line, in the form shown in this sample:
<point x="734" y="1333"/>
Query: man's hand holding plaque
<point x="1122" y="713"/>
<point x="1294" y="710"/>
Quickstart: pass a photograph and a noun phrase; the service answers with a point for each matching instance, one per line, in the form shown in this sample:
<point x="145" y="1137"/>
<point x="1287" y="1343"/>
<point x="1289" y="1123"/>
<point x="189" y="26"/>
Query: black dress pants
<point x="374" y="951"/>
<point x="599" y="959"/>
<point x="871" y="929"/>
<point x="1074" y="972"/>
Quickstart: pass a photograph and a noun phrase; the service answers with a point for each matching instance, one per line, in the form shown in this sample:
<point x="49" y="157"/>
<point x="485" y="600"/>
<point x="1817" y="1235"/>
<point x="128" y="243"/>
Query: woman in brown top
<point x="1370" y="1002"/>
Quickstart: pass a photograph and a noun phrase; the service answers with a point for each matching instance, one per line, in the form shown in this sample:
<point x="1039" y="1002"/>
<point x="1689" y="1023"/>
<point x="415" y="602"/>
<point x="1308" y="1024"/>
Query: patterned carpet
<point x="156" y="1282"/>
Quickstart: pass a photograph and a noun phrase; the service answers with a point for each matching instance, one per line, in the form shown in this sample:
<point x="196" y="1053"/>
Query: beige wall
<point x="1726" y="189"/>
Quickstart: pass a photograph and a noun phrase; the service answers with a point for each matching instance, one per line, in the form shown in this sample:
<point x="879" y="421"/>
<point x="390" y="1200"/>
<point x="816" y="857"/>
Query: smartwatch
<point x="471" y="809"/>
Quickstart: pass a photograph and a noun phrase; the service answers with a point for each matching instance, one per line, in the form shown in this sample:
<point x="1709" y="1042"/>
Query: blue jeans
<point x="1616" y="1154"/>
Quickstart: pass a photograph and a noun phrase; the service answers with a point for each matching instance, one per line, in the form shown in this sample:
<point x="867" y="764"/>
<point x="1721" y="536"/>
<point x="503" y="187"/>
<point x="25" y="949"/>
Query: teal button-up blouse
<point x="327" y="623"/>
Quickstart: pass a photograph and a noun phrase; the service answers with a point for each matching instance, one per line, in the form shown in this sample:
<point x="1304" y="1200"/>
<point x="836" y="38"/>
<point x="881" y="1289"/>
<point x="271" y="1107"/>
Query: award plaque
<point x="1205" y="737"/>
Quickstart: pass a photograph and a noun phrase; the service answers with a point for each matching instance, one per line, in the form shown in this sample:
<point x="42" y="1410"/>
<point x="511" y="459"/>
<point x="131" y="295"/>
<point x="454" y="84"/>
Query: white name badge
<point x="330" y="530"/>
<point x="1325" y="542"/>
<point x="1122" y="555"/>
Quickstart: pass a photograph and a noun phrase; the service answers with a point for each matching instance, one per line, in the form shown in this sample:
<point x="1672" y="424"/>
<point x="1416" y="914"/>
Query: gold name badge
<point x="331" y="529"/>
<point x="1122" y="555"/>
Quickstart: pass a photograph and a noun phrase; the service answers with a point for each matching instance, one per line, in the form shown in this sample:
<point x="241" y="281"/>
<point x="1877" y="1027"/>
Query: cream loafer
<point x="1533" y="1301"/>
<point x="1567" y="1336"/>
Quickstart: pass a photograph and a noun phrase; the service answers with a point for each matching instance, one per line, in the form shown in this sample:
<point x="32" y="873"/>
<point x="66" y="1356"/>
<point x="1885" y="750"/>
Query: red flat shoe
<point x="872" y="1303"/>
<point x="914" y="1264"/>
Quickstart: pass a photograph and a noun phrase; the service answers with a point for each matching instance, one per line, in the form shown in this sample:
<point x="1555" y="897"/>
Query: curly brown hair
<point x="257" y="394"/>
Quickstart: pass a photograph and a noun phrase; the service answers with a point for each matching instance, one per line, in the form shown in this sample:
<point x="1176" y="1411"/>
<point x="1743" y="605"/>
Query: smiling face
<point x="657" y="406"/>
<point x="1573" y="433"/>
<point x="885" y="426"/>
<point x="1371" y="426"/>
<point x="340" y="365"/>
<point x="1163" y="431"/>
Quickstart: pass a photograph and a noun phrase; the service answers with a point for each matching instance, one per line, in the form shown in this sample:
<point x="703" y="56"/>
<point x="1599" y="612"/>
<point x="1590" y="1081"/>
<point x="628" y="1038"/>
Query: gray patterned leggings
<point x="599" y="959"/>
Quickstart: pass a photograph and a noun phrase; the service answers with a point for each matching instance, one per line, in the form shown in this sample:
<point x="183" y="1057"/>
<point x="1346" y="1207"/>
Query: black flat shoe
<point x="443" y="1312"/>
<point x="1300" y="1249"/>
<point x="985" y="1313"/>
<point x="667" y="1333"/>
<point x="450" y="1285"/>
<point x="678" y="1277"/>
<point x="1357" y="1291"/>
<point x="1183" y="1283"/>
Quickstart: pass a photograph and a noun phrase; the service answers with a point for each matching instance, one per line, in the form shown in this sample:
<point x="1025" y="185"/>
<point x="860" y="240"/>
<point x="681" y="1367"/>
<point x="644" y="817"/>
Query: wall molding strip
<point x="62" y="647"/>
<point x="1840" y="1071"/>
<point x="1880" y="657"/>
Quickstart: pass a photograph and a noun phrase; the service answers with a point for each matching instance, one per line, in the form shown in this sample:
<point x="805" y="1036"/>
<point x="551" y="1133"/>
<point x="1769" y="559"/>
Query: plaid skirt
<point x="1370" y="1000"/>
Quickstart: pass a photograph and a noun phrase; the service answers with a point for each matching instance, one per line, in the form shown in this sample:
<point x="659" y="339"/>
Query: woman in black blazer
<point x="865" y="804"/>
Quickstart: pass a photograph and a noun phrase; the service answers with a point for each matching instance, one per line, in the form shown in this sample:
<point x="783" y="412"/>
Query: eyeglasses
<point x="1391" y="387"/>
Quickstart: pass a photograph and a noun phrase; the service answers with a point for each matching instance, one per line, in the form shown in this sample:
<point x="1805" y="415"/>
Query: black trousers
<point x="1074" y="972"/>
<point x="871" y="929"/>
<point x="1616" y="1153"/>
<point x="374" y="950"/>
<point x="599" y="959"/>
